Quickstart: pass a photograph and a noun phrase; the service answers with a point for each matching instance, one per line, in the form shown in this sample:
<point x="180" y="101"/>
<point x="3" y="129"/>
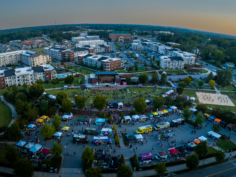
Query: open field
<point x="84" y="71"/>
<point x="226" y="88"/>
<point x="5" y="116"/>
<point x="111" y="95"/>
<point x="226" y="145"/>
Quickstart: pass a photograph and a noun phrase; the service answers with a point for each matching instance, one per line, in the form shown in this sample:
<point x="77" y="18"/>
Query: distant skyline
<point x="205" y="15"/>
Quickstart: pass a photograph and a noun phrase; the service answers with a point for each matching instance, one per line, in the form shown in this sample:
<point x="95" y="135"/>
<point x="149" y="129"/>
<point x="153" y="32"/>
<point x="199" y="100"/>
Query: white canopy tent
<point x="135" y="117"/>
<point x="214" y="134"/>
<point x="143" y="117"/>
<point x="193" y="109"/>
<point x="44" y="93"/>
<point x="120" y="105"/>
<point x="192" y="99"/>
<point x="173" y="107"/>
<point x="29" y="145"/>
<point x="66" y="117"/>
<point x="127" y="118"/>
<point x="36" y="148"/>
<point x="160" y="112"/>
<point x="139" y="136"/>
<point x="147" y="101"/>
<point x="21" y="143"/>
<point x="58" y="134"/>
<point x="52" y="97"/>
<point x="202" y="138"/>
<point x="31" y="126"/>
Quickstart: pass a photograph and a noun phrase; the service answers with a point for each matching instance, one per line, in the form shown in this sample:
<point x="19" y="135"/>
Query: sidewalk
<point x="13" y="110"/>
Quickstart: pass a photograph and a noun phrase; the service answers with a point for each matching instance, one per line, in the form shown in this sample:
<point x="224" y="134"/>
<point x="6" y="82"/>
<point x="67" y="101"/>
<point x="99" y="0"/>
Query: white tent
<point x="147" y="101"/>
<point x="29" y="145"/>
<point x="143" y="117"/>
<point x="58" y="134"/>
<point x="202" y="138"/>
<point x="193" y="109"/>
<point x="139" y="136"/>
<point x="173" y="107"/>
<point x="160" y="112"/>
<point x="127" y="118"/>
<point x="44" y="93"/>
<point x="65" y="86"/>
<point x="120" y="105"/>
<point x="66" y="117"/>
<point x="21" y="143"/>
<point x="192" y="98"/>
<point x="31" y="126"/>
<point x="135" y="117"/>
<point x="36" y="148"/>
<point x="51" y="96"/>
<point x="214" y="134"/>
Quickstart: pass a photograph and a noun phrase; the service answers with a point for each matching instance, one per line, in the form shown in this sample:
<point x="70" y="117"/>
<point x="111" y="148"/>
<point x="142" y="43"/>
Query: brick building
<point x="120" y="36"/>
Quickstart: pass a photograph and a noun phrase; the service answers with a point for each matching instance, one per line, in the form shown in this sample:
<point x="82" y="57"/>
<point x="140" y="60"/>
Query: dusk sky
<point x="207" y="15"/>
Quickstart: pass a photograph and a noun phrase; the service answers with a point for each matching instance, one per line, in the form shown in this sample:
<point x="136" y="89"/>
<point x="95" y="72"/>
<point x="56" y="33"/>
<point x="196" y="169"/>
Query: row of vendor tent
<point x="31" y="146"/>
<point x="199" y="139"/>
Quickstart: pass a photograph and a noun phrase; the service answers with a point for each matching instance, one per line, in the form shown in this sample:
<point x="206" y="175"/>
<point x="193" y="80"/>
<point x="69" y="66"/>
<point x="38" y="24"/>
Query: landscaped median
<point x="126" y="141"/>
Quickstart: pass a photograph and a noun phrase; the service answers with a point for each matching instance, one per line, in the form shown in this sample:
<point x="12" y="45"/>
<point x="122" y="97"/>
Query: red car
<point x="180" y="79"/>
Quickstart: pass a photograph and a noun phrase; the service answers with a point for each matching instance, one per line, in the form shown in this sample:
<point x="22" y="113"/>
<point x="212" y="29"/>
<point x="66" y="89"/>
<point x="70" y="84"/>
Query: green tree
<point x="201" y="83"/>
<point x="160" y="169"/>
<point x="69" y="79"/>
<point x="11" y="153"/>
<point x="80" y="102"/>
<point x="87" y="158"/>
<point x="55" y="81"/>
<point x="155" y="78"/>
<point x="47" y="131"/>
<point x="158" y="102"/>
<point x="23" y="167"/>
<point x="31" y="113"/>
<point x="192" y="161"/>
<point x="209" y="77"/>
<point x="14" y="131"/>
<point x="66" y="105"/>
<point x="61" y="96"/>
<point x="201" y="149"/>
<point x="182" y="84"/>
<point x="219" y="55"/>
<point x="212" y="83"/>
<point x="43" y="106"/>
<point x="14" y="90"/>
<point x="163" y="79"/>
<point x="56" y="122"/>
<point x="56" y="149"/>
<point x="39" y="81"/>
<point x="124" y="171"/>
<point x="128" y="80"/>
<point x="187" y="113"/>
<point x="114" y="127"/>
<point x="25" y="85"/>
<point x="143" y="78"/>
<point x="93" y="172"/>
<point x="36" y="90"/>
<point x="9" y="89"/>
<point x="180" y="90"/>
<point x="122" y="159"/>
<point x="199" y="119"/>
<point x="99" y="102"/>
<point x="201" y="107"/>
<point x="52" y="110"/>
<point x="140" y="105"/>
<point x="136" y="67"/>
<point x="220" y="156"/>
<point x="187" y="80"/>
<point x="216" y="128"/>
<point x="21" y="96"/>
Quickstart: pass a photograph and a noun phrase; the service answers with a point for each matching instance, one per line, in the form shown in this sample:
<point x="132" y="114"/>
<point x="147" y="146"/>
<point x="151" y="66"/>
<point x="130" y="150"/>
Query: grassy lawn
<point x="174" y="71"/>
<point x="211" y="150"/>
<point x="226" y="88"/>
<point x="39" y="50"/>
<point x="111" y="95"/>
<point x="226" y="145"/>
<point x="3" y="160"/>
<point x="148" y="73"/>
<point x="141" y="69"/>
<point x="5" y="116"/>
<point x="121" y="71"/>
<point x="197" y="71"/>
<point x="83" y="70"/>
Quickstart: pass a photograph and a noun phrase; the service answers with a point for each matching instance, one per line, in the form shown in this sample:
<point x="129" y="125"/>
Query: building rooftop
<point x="105" y="73"/>
<point x="119" y="32"/>
<point x="176" y="58"/>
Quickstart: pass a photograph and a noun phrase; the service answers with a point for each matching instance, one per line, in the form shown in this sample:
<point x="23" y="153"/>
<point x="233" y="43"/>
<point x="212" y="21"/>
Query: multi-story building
<point x="25" y="56"/>
<point x="137" y="46"/>
<point x="189" y="58"/>
<point x="120" y="36"/>
<point x="54" y="52"/>
<point x="27" y="75"/>
<point x="167" y="62"/>
<point x="84" y="38"/>
<point x="163" y="32"/>
<point x="91" y="42"/>
<point x="67" y="55"/>
<point x="108" y="63"/>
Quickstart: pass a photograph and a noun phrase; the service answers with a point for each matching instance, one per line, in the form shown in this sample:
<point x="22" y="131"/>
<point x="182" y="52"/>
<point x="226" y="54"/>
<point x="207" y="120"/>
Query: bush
<point x="126" y="141"/>
<point x="117" y="140"/>
<point x="103" y="114"/>
<point x="133" y="112"/>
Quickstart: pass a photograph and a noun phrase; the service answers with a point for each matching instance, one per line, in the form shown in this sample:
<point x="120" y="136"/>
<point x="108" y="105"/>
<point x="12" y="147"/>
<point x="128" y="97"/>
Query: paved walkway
<point x="13" y="110"/>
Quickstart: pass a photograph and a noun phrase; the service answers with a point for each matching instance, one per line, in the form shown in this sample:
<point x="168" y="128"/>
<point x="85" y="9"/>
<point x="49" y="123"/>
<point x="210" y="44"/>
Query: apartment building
<point x="120" y="36"/>
<point x="27" y="75"/>
<point x="54" y="52"/>
<point x="137" y="46"/>
<point x="67" y="55"/>
<point x="84" y="38"/>
<point x="91" y="42"/>
<point x="108" y="63"/>
<point x="27" y="57"/>
<point x="167" y="62"/>
<point x="189" y="58"/>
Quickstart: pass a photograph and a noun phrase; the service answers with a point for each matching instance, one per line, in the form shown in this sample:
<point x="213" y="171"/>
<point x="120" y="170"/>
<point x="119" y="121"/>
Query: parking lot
<point x="182" y="132"/>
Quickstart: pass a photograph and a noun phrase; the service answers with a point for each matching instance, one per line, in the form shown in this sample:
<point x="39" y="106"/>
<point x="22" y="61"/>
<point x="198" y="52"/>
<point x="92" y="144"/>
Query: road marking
<point x="220" y="172"/>
<point x="234" y="162"/>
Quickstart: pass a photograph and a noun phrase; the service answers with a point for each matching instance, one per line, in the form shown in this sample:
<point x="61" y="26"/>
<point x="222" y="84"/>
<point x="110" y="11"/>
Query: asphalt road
<point x="227" y="169"/>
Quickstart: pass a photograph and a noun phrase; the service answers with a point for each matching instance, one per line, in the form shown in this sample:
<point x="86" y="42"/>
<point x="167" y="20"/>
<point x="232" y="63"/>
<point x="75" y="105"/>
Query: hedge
<point x="117" y="140"/>
<point x="126" y="141"/>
